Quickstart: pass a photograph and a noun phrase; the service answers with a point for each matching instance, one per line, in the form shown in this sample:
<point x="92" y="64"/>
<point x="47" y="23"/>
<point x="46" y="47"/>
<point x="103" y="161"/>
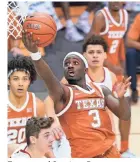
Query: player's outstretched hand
<point x="31" y="45"/>
<point x="121" y="87"/>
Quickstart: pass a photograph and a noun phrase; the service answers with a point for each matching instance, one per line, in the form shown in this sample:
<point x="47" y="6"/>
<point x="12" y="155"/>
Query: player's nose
<point x="20" y="83"/>
<point x="70" y="66"/>
<point x="95" y="55"/>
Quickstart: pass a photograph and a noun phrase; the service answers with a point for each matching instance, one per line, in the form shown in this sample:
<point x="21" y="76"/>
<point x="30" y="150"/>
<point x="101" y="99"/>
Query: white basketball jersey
<point x="21" y="153"/>
<point x="106" y="82"/>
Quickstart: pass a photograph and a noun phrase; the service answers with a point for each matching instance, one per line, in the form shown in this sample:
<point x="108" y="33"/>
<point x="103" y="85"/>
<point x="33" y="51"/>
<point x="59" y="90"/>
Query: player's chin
<point x="70" y="77"/>
<point x="95" y="65"/>
<point x="116" y="9"/>
<point x="50" y="148"/>
<point x="20" y="94"/>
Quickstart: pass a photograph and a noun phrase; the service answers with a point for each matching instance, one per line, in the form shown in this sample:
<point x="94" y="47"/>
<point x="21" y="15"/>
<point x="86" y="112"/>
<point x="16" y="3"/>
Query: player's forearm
<point x="49" y="107"/>
<point x="54" y="87"/>
<point x="133" y="44"/>
<point x="124" y="109"/>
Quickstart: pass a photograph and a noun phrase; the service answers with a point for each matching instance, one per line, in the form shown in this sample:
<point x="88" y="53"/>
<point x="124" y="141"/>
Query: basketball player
<point x="94" y="50"/>
<point x="111" y="23"/>
<point x="21" y="103"/>
<point x="39" y="139"/>
<point x="81" y="107"/>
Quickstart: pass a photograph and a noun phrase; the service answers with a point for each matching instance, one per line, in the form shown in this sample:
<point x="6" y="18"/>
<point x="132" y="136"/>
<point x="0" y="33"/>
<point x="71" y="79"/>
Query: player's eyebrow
<point x="46" y="133"/>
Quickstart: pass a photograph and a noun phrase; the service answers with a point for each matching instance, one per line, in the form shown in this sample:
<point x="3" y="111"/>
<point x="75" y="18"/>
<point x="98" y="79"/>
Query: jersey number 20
<point x="96" y="118"/>
<point x="15" y="136"/>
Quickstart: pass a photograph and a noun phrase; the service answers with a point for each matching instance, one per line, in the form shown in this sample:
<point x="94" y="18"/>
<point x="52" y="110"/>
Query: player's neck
<point x="34" y="153"/>
<point x="83" y="85"/>
<point x="113" y="13"/>
<point x="18" y="102"/>
<point x="80" y="83"/>
<point x="96" y="74"/>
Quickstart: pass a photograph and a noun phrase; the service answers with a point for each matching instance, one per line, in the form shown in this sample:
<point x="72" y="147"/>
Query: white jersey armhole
<point x="68" y="105"/>
<point x="108" y="79"/>
<point x="106" y="23"/>
<point x="34" y="104"/>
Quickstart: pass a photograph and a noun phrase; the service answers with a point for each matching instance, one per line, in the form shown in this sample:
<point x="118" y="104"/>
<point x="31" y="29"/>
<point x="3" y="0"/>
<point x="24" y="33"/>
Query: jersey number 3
<point x="114" y="46"/>
<point x="96" y="118"/>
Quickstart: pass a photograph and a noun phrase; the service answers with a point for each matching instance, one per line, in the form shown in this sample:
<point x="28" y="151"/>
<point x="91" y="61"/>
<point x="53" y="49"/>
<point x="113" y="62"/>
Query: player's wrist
<point x="35" y="56"/>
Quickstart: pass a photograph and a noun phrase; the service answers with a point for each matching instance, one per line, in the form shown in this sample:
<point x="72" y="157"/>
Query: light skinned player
<point x="77" y="119"/>
<point x="111" y="23"/>
<point x="39" y="139"/>
<point x="21" y="103"/>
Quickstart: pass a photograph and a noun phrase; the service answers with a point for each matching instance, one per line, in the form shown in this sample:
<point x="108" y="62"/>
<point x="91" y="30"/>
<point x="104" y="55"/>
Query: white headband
<point x="76" y="54"/>
<point x="11" y="71"/>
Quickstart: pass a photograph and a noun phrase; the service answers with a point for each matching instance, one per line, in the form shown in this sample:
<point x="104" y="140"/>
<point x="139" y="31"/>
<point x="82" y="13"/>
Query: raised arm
<point x="98" y="25"/>
<point x="58" y="92"/>
<point x="49" y="104"/>
<point x="120" y="107"/>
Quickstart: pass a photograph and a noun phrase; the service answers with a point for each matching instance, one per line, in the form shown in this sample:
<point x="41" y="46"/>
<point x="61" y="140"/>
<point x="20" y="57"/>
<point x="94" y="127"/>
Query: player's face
<point x="19" y="82"/>
<point x="74" y="69"/>
<point x="115" y="6"/>
<point x="44" y="141"/>
<point x="95" y="55"/>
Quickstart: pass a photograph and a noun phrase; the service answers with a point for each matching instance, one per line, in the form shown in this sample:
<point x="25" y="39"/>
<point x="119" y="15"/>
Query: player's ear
<point x="32" y="139"/>
<point x="86" y="70"/>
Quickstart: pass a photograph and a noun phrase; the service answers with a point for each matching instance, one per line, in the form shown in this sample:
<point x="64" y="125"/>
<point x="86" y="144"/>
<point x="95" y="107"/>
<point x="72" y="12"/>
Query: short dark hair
<point x="34" y="126"/>
<point x="95" y="40"/>
<point x="23" y="62"/>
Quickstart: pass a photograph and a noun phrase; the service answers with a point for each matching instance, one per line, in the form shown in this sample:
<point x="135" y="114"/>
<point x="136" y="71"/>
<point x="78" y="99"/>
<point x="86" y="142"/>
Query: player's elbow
<point x="125" y="116"/>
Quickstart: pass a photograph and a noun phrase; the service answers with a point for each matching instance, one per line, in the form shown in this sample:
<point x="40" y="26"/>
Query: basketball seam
<point x="41" y="22"/>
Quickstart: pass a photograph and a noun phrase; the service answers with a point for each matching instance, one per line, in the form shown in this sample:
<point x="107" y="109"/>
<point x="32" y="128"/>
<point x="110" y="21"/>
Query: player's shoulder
<point x="137" y="18"/>
<point x="20" y="154"/>
<point x="112" y="75"/>
<point x="99" y="14"/>
<point x="39" y="102"/>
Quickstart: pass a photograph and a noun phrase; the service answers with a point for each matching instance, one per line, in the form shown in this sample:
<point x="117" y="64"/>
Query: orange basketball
<point x="43" y="28"/>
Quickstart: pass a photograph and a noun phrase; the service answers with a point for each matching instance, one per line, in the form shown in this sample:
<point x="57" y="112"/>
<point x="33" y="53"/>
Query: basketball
<point x="43" y="28"/>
